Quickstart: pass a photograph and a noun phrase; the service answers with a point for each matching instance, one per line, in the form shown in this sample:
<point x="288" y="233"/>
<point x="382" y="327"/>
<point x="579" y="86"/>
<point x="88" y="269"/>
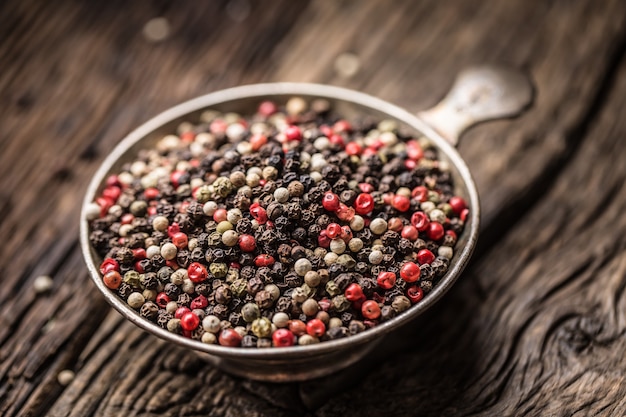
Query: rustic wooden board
<point x="534" y="327"/>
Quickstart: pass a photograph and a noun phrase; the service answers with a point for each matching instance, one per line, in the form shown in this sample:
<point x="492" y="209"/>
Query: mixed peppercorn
<point x="291" y="226"/>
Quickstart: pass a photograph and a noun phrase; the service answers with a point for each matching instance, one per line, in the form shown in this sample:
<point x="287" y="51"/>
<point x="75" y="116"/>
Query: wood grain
<point x="536" y="325"/>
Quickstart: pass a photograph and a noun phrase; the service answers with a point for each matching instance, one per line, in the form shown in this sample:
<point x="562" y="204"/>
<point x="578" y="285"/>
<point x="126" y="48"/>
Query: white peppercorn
<point x="302" y="266"/>
<point x="355" y="244"/>
<point x="445" y="252"/>
<point x="281" y="195"/>
<point x="211" y="324"/>
<point x="378" y="226"/>
<point x="208" y="338"/>
<point x="338" y="246"/>
<point x="310" y="307"/>
<point x="230" y="238"/>
<point x="357" y="223"/>
<point x="209" y="208"/>
<point x="168" y="251"/>
<point x="312" y="279"/>
<point x="307" y="339"/>
<point x="160" y="223"/>
<point x="136" y="300"/>
<point x="437" y="215"/>
<point x="280" y="320"/>
<point x="376" y="257"/>
<point x="334" y="322"/>
<point x="42" y="284"/>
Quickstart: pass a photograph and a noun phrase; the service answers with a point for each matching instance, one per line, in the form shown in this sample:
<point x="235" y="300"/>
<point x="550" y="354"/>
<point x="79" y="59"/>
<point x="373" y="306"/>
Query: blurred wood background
<point x="537" y="324"/>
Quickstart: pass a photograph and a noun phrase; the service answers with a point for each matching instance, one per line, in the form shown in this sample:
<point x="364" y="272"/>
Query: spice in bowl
<point x="292" y="226"/>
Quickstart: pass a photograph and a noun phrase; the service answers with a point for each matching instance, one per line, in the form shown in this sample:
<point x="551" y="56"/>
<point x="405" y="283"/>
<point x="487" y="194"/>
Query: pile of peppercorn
<point x="291" y="226"/>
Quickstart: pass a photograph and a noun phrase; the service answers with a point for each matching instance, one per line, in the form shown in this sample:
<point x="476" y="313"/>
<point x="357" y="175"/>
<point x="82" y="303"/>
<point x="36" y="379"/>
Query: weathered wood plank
<point x="80" y="76"/>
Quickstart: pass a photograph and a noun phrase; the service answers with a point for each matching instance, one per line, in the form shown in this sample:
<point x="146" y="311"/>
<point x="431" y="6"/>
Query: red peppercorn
<point x="229" y="337"/>
<point x="420" y="220"/>
<point x="410" y="272"/>
<point x="127" y="218"/>
<point x="333" y="230"/>
<point x="162" y="299"/>
<point x="189" y="321"/>
<point x="247" y="243"/>
<point x="323" y="240"/>
<point x="235" y="265"/>
<point x="181" y="311"/>
<point x="409" y="164"/>
<point x="414" y="150"/>
<point x="139" y="268"/>
<point x="267" y="108"/>
<point x="112" y="279"/>
<point x="187" y="137"/>
<point x="420" y="193"/>
<point x="342" y="126"/>
<point x="425" y="256"/>
<point x="345" y="213"/>
<point x="197" y="272"/>
<point x="112" y="193"/>
<point x="366" y="187"/>
<point x="326" y="130"/>
<point x="464" y="215"/>
<point x="395" y="224"/>
<point x="257" y="141"/>
<point x="283" y="338"/>
<point x="180" y="240"/>
<point x="293" y="133"/>
<point x="353" y="148"/>
<point x="297" y="327"/>
<point x="258" y="213"/>
<point x="410" y="233"/>
<point x="109" y="264"/>
<point x="388" y="198"/>
<point x="330" y="201"/>
<point x="113" y="180"/>
<point x="151" y="210"/>
<point x="435" y="231"/>
<point x="172" y="264"/>
<point x="173" y="229"/>
<point x="354" y="292"/>
<point x="151" y="193"/>
<point x="414" y="293"/>
<point x="324" y="304"/>
<point x="264" y="260"/>
<point x="457" y="204"/>
<point x="316" y="328"/>
<point x="386" y="280"/>
<point x="364" y="203"/>
<point x="105" y="204"/>
<point x="370" y="310"/>
<point x="337" y="140"/>
<point x="139" y="253"/>
<point x="218" y="126"/>
<point x="346" y="234"/>
<point x="452" y="234"/>
<point x="199" y="302"/>
<point x="401" y="203"/>
<point x="220" y="215"/>
<point x="175" y="177"/>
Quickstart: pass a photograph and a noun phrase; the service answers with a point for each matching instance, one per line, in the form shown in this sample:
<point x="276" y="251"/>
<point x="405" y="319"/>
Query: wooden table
<point x="536" y="325"/>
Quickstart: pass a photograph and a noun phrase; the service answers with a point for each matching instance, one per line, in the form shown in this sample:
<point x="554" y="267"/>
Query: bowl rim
<point x="282" y="89"/>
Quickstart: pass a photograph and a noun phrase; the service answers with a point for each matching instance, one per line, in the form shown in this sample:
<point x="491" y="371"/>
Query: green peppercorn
<point x="132" y="278"/>
<point x="203" y="194"/>
<point x="239" y="287"/>
<point x="214" y="239"/>
<point x="138" y="208"/>
<point x="222" y="186"/>
<point x="232" y="275"/>
<point x="340" y="303"/>
<point x="346" y="261"/>
<point x="400" y="303"/>
<point x="262" y="327"/>
<point x="224" y="226"/>
<point x="218" y="269"/>
<point x="332" y="289"/>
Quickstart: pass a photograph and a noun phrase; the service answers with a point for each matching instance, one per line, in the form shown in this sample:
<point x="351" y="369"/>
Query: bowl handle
<point x="479" y="94"/>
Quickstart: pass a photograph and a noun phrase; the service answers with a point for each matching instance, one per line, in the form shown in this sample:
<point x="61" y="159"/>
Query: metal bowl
<point x="479" y="94"/>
